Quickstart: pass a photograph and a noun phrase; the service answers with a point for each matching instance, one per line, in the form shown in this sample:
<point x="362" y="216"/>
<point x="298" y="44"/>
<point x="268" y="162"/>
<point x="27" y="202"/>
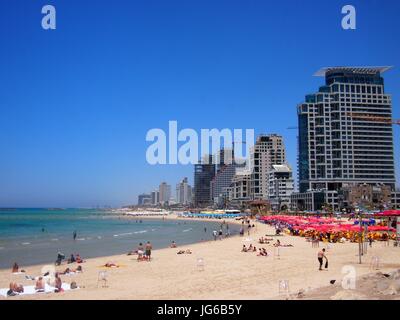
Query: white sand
<point x="228" y="273"/>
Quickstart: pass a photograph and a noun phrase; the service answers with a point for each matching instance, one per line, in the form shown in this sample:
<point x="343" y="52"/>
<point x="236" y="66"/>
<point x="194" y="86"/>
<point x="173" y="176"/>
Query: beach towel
<point x="29" y="290"/>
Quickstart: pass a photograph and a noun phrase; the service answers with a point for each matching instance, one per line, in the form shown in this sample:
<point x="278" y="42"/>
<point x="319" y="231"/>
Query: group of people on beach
<point x="72" y="259"/>
<point x="251" y="248"/>
<point x="249" y="226"/>
<point x="40" y="284"/>
<point x="143" y="252"/>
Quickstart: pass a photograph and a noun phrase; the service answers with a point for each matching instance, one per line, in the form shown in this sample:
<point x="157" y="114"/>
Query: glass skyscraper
<point x="345" y="133"/>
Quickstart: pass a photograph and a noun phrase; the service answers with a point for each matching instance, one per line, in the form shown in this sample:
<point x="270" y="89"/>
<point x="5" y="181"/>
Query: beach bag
<point x="326" y="265"/>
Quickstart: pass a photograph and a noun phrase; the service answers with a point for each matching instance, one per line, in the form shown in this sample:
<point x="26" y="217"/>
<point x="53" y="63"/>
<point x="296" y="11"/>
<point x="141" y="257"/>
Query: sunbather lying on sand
<point x="263" y="240"/>
<point x="188" y="251"/>
<point x="111" y="265"/>
<point x="262" y="252"/>
<point x="15" y="289"/>
<point x="279" y="244"/>
<point x="68" y="270"/>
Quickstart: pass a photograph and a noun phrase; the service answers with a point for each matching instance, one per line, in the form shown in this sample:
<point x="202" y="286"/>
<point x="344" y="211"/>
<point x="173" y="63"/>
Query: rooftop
<point x="281" y="168"/>
<point x="364" y="70"/>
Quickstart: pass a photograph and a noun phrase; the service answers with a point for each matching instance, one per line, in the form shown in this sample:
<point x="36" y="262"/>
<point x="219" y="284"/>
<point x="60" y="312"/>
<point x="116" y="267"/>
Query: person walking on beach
<point x="321" y="256"/>
<point x="149" y="247"/>
<point x="215" y="235"/>
<point x="140" y="252"/>
<point x="74" y="235"/>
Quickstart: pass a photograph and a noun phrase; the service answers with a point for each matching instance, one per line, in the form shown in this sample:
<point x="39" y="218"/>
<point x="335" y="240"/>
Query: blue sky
<point x="76" y="103"/>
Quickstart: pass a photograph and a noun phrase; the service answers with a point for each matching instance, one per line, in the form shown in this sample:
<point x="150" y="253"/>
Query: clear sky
<point x="76" y="102"/>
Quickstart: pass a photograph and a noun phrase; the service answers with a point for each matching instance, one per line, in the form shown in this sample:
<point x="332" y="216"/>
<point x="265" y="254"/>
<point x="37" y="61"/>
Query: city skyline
<point x="77" y="103"/>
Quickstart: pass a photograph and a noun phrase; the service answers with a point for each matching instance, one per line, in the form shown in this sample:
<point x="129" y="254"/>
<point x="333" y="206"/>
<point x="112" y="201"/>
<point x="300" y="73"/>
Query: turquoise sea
<point x="34" y="236"/>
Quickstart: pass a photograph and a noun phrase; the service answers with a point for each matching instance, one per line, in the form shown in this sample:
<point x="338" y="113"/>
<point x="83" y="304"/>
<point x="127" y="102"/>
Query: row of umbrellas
<point x="322" y="224"/>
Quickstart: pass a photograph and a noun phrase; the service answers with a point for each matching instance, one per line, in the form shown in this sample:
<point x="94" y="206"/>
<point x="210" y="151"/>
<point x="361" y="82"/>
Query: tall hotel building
<point x="204" y="172"/>
<point x="268" y="150"/>
<point x="341" y="142"/>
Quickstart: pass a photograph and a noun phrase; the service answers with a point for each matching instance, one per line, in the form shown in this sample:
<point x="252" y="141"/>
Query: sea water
<point x="34" y="236"/>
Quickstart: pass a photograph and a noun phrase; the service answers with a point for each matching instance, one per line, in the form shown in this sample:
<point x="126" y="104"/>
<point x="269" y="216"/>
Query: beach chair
<point x="315" y="243"/>
<point x="102" y="277"/>
<point x="374" y="263"/>
<point x="200" y="264"/>
<point x="277" y="253"/>
<point x="284" y="287"/>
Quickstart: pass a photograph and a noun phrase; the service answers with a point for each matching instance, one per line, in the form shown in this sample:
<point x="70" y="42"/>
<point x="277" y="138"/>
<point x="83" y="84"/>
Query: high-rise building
<point x="165" y="193"/>
<point x="267" y="151"/>
<point x="396" y="199"/>
<point x="226" y="169"/>
<point x="340" y="141"/>
<point x="204" y="171"/>
<point x="144" y="199"/>
<point x="240" y="186"/>
<point x="155" y="197"/>
<point x="281" y="186"/>
<point x="184" y="192"/>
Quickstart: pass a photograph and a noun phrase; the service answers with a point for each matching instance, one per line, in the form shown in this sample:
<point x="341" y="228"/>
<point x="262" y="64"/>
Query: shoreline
<point x="227" y="273"/>
<point x="173" y="217"/>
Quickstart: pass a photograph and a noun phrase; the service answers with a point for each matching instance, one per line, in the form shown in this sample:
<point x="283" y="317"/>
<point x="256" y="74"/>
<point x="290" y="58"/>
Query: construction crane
<point x="375" y="118"/>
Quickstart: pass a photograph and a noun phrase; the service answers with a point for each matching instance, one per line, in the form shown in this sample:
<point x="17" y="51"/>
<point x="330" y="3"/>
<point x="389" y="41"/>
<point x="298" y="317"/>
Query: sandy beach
<point x="228" y="273"/>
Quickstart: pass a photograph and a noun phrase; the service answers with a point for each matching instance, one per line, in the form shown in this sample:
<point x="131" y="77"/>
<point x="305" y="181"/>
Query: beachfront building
<point x="396" y="199"/>
<point x="204" y="172"/>
<point x="226" y="169"/>
<point x="183" y="192"/>
<point x="239" y="190"/>
<point x="268" y="150"/>
<point x="155" y="197"/>
<point x="164" y="193"/>
<point x="366" y="196"/>
<point x="144" y="199"/>
<point x="281" y="186"/>
<point x="342" y="142"/>
<point x="312" y="200"/>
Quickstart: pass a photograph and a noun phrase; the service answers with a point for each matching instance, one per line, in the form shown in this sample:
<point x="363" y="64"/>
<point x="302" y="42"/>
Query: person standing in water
<point x="74" y="235"/>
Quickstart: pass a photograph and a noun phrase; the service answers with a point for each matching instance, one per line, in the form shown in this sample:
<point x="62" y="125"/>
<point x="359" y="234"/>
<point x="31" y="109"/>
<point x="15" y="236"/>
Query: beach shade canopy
<point x="381" y="228"/>
<point x="389" y="213"/>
